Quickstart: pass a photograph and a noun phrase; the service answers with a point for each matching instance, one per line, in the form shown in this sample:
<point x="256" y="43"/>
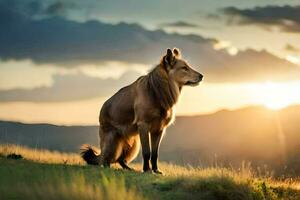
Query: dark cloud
<point x="70" y="87"/>
<point x="59" y="8"/>
<point x="251" y="65"/>
<point x="180" y="24"/>
<point x="63" y="42"/>
<point x="36" y="8"/>
<point x="287" y="18"/>
<point x="292" y="48"/>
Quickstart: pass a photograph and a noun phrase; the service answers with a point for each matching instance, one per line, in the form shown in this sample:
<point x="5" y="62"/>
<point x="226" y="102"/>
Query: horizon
<point x="250" y="107"/>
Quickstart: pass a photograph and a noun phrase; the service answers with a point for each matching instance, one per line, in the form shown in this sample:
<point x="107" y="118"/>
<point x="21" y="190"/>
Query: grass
<point x="52" y="175"/>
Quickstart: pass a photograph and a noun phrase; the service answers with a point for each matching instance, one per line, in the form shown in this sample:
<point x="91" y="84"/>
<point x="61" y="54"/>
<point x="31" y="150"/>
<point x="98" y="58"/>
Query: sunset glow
<point x="276" y="105"/>
<point x="277" y="96"/>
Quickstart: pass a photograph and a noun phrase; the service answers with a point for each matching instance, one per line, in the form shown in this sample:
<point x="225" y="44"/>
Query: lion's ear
<point x="169" y="52"/>
<point x="169" y="57"/>
<point x="177" y="52"/>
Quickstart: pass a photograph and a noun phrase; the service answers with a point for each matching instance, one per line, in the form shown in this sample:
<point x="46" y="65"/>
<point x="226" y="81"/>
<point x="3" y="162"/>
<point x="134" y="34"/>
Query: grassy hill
<point x="43" y="174"/>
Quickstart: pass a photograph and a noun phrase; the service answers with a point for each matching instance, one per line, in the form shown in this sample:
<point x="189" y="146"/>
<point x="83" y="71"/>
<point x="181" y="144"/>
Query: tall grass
<point x="78" y="188"/>
<point x="44" y="182"/>
<point x="41" y="155"/>
<point x="65" y="177"/>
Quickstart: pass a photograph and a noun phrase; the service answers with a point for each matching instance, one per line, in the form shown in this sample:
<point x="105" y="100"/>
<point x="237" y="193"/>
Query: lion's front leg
<point x="144" y="137"/>
<point x="155" y="142"/>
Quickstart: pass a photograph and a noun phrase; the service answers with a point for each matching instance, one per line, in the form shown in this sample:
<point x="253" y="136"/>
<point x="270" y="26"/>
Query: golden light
<point x="276" y="105"/>
<point x="276" y="96"/>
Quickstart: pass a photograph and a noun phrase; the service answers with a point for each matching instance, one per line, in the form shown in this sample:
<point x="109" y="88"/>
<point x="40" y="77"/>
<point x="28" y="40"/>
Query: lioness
<point x="139" y="110"/>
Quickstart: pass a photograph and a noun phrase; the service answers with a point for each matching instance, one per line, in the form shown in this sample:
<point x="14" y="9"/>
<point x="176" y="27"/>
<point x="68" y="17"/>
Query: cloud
<point x="35" y="8"/>
<point x="251" y="66"/>
<point x="57" y="41"/>
<point x="180" y="24"/>
<point x="59" y="8"/>
<point x="70" y="87"/>
<point x="65" y="42"/>
<point x="286" y="18"/>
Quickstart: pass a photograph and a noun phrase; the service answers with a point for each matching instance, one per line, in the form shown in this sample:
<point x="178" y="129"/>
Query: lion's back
<point x="119" y="108"/>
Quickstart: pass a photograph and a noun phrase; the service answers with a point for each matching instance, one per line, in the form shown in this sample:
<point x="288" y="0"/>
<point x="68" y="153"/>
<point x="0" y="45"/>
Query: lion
<point x="140" y="113"/>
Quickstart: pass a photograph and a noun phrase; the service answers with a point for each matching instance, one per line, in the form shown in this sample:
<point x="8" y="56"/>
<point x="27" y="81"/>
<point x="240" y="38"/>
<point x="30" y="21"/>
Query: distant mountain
<point x="60" y="138"/>
<point x="253" y="134"/>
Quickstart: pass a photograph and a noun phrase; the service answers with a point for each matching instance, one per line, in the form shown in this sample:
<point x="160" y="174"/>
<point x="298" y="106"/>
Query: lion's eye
<point x="184" y="68"/>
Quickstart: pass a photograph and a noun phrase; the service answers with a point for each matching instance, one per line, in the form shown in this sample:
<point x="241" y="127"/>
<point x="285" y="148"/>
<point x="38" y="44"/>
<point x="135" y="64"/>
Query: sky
<point x="60" y="60"/>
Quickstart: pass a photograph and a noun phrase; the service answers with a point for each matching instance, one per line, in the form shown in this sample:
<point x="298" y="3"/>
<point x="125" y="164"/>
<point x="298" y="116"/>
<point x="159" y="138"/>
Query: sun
<point x="275" y="105"/>
<point x="275" y="96"/>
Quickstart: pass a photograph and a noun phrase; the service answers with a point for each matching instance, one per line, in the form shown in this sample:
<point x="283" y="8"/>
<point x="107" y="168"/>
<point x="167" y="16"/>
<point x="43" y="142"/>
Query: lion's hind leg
<point x="111" y="149"/>
<point x="123" y="163"/>
<point x="130" y="151"/>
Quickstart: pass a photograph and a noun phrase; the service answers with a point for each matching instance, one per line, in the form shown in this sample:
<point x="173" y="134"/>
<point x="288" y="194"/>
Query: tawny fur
<point x="140" y="112"/>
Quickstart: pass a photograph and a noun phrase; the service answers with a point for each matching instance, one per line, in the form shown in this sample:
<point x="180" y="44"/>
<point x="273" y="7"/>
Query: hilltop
<point x="52" y="175"/>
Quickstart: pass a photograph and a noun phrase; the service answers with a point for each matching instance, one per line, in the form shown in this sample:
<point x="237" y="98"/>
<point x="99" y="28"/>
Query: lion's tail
<point x="90" y="155"/>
